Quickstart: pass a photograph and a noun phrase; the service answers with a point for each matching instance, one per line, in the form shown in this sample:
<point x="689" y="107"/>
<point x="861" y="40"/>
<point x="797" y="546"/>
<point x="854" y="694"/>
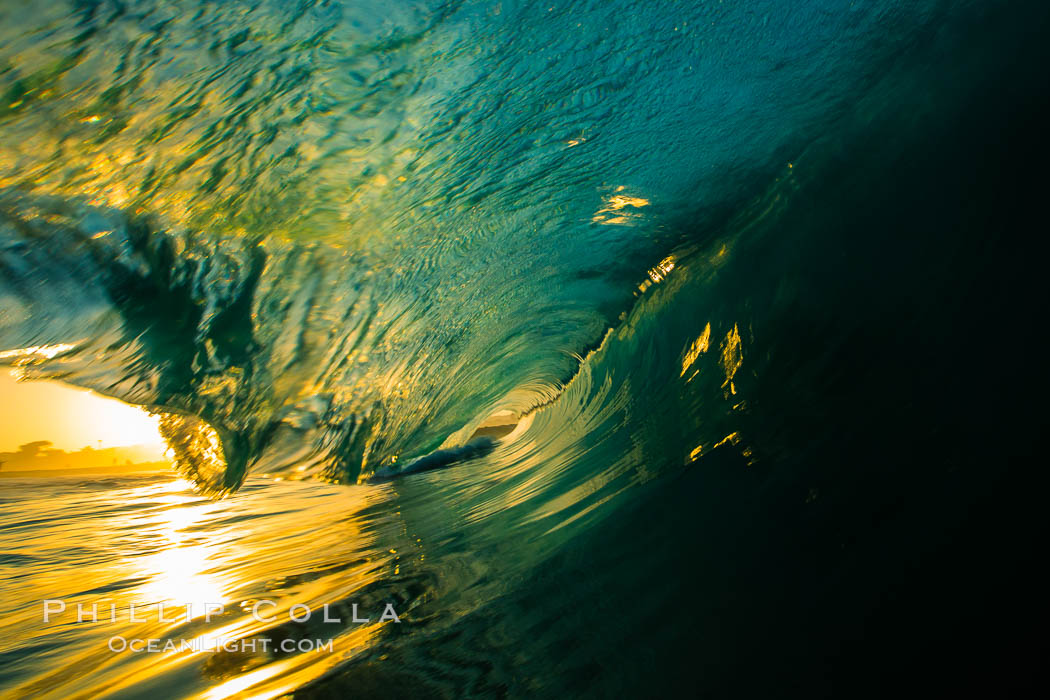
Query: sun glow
<point x="70" y="417"/>
<point x="118" y="423"/>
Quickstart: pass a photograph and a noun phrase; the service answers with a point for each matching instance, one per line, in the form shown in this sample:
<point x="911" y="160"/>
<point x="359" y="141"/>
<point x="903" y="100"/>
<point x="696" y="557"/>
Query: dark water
<point x="761" y="282"/>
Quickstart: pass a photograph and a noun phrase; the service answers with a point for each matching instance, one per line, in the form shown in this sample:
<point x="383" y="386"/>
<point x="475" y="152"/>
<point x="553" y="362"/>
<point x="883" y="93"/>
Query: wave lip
<point x="438" y="459"/>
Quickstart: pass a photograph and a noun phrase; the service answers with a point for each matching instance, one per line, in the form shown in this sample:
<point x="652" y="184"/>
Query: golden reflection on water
<point x="181" y="575"/>
<point x="160" y="543"/>
<point x="619" y="208"/>
<point x="697" y="348"/>
<point x="732" y="357"/>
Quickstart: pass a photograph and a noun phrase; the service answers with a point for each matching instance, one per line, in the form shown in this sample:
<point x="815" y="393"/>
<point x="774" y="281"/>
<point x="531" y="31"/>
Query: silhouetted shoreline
<point x="110" y="469"/>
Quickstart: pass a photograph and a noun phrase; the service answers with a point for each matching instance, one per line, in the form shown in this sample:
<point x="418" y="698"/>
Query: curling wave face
<point x="326" y="236"/>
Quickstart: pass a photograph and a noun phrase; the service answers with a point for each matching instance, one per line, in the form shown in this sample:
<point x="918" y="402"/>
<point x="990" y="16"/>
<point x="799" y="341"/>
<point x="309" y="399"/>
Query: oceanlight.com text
<point x="214" y="645"/>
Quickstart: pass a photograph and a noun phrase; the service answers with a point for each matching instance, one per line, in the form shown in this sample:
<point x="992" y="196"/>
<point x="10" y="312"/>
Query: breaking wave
<point x="546" y="265"/>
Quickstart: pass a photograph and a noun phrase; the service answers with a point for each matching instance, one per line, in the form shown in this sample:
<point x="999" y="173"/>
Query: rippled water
<point x="623" y="348"/>
<point x="148" y="539"/>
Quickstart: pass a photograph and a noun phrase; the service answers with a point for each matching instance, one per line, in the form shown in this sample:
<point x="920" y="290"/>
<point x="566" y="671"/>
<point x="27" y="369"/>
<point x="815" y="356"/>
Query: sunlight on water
<point x="619" y="208"/>
<point x="155" y="542"/>
<point x="178" y="574"/>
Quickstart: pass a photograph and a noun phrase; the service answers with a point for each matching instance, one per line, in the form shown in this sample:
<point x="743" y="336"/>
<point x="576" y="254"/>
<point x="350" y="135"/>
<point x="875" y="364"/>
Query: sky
<point x="70" y="418"/>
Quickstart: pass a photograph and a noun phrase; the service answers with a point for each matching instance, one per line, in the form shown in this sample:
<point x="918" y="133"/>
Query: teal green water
<point x="756" y="285"/>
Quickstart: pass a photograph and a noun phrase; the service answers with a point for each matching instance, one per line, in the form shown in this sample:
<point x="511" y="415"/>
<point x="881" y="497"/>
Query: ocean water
<point x="624" y="349"/>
